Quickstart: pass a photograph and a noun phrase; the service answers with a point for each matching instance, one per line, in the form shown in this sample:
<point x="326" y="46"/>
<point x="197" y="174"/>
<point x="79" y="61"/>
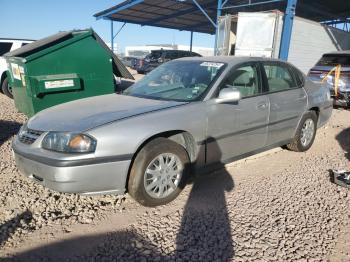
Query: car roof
<point x="231" y="60"/>
<point x="16" y="39"/>
<point x="170" y="50"/>
<point x="344" y="52"/>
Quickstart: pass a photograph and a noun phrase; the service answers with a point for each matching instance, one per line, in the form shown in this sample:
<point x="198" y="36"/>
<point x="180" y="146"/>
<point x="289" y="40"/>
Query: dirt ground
<point x="276" y="206"/>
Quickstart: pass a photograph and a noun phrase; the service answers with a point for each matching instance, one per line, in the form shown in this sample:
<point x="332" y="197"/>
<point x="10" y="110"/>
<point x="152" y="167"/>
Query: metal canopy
<point x="180" y="15"/>
<point x="201" y="15"/>
<point x="185" y="14"/>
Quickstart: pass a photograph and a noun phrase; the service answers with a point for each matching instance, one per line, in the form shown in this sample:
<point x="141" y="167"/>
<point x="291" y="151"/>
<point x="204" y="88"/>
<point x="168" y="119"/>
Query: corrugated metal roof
<point x="164" y="13"/>
<point x="185" y="15"/>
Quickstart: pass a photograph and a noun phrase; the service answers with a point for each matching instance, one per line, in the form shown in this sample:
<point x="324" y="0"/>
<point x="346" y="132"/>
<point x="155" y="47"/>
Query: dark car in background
<point x="321" y="70"/>
<point x="129" y="61"/>
<point x="158" y="57"/>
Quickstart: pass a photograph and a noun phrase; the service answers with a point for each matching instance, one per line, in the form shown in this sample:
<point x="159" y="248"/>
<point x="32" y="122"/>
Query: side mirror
<point x="229" y="94"/>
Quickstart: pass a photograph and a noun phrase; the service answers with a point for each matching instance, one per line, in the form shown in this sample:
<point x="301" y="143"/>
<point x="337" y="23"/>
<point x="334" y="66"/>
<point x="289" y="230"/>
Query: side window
<point x="184" y="54"/>
<point x="5" y="47"/>
<point x="279" y="78"/>
<point x="246" y="80"/>
<point x="176" y="54"/>
<point x="167" y="55"/>
<point x="170" y="55"/>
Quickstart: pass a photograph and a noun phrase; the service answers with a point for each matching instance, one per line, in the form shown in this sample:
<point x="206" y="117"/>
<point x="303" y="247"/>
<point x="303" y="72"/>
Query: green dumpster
<point x="61" y="68"/>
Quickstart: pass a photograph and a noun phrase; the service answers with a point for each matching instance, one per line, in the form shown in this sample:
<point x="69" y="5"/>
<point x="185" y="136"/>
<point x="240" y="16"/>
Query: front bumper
<point x="99" y="178"/>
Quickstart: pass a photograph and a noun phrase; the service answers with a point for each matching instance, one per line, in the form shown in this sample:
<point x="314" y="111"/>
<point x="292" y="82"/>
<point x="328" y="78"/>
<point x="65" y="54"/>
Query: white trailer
<point x="259" y="34"/>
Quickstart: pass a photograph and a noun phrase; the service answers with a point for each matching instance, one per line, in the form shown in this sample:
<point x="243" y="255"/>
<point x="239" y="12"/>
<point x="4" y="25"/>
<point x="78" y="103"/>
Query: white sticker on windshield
<point x="212" y="64"/>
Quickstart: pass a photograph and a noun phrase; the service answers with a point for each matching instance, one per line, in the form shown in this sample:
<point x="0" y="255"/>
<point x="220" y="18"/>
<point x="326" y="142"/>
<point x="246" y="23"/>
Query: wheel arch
<point x="181" y="137"/>
<point x="315" y="109"/>
<point x="312" y="109"/>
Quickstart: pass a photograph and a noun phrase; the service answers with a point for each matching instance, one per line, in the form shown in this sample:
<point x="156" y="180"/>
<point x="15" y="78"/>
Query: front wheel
<point x="6" y="89"/>
<point x="305" y="134"/>
<point x="158" y="173"/>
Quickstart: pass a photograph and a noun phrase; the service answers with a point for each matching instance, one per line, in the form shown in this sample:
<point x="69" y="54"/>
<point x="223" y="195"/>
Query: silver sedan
<point x="184" y="117"/>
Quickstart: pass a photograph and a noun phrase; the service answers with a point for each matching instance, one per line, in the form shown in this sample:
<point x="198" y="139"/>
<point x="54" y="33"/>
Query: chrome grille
<point x="29" y="136"/>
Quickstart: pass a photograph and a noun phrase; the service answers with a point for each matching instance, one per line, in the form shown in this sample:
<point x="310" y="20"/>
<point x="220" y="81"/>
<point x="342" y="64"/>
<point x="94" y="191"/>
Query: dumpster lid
<point x="40" y="44"/>
<point x="118" y="67"/>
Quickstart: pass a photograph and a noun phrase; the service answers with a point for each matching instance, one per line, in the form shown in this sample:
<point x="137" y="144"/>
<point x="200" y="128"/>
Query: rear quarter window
<point x="298" y="75"/>
<point x="279" y="77"/>
<point x="5" y="47"/>
<point x="334" y="60"/>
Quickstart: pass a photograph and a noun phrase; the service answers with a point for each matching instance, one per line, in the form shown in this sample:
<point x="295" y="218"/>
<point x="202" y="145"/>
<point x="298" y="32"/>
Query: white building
<point x="115" y="45"/>
<point x="143" y="50"/>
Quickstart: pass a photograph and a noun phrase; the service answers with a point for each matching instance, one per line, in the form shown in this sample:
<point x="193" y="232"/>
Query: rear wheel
<point x="6" y="89"/>
<point x="158" y="173"/>
<point x="305" y="134"/>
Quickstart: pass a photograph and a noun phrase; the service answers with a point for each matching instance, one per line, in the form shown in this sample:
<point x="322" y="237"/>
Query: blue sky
<point x="35" y="19"/>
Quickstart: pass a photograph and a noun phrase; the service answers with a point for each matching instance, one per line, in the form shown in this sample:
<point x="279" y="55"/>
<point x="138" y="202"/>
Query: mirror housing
<point x="229" y="94"/>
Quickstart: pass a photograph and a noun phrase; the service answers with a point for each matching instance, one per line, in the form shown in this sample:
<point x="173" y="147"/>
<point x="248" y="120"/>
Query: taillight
<point x="316" y="72"/>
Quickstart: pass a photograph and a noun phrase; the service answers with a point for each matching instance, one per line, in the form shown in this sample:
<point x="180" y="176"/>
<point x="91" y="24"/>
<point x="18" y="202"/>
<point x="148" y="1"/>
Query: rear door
<point x="238" y="128"/>
<point x="288" y="101"/>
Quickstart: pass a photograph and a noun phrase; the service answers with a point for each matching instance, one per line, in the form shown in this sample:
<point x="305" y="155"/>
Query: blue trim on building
<point x="287" y="29"/>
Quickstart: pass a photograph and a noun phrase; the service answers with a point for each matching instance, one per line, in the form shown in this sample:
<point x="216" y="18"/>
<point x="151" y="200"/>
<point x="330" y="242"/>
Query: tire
<point x="298" y="143"/>
<point x="6" y="89"/>
<point x="149" y="155"/>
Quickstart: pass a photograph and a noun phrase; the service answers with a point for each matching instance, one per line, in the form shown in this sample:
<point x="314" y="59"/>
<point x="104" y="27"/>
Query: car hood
<point x="84" y="114"/>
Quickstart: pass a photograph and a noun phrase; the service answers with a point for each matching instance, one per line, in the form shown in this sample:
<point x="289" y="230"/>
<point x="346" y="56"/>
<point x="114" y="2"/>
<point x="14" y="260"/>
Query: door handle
<point x="262" y="106"/>
<point x="301" y="98"/>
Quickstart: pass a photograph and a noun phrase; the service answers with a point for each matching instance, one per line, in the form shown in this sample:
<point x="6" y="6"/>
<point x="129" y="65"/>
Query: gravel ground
<point x="280" y="207"/>
<point x="25" y="206"/>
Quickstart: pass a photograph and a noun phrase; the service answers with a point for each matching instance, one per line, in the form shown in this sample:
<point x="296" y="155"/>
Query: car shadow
<point x="204" y="233"/>
<point x="8" y="129"/>
<point x="9" y="227"/>
<point x="343" y="139"/>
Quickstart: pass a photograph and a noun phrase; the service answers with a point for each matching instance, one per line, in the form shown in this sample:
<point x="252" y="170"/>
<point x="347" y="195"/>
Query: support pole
<point x="204" y="12"/>
<point x="112" y="37"/>
<point x="218" y="14"/>
<point x="287" y="29"/>
<point x="191" y="42"/>
<point x="120" y="29"/>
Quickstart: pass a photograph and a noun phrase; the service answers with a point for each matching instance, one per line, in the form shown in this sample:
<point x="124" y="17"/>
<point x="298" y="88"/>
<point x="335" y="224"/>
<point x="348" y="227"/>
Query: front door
<point x="238" y="128"/>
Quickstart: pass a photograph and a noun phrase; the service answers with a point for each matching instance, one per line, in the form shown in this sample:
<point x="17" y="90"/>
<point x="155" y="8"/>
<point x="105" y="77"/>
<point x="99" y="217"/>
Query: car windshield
<point x="333" y="60"/>
<point x="177" y="80"/>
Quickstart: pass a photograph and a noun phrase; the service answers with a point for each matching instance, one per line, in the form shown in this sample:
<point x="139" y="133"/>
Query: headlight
<point x="69" y="143"/>
<point x="341" y="84"/>
<point x="22" y="130"/>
